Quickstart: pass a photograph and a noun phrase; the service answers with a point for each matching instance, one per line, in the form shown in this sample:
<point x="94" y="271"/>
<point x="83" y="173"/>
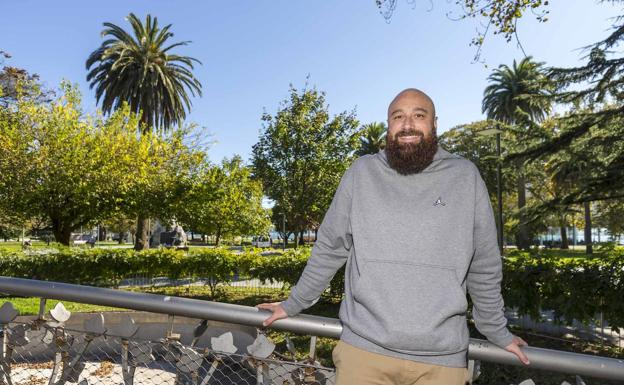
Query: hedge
<point x="576" y="288"/>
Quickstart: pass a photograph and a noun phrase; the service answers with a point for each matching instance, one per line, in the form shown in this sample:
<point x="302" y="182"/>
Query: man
<point x="414" y="225"/>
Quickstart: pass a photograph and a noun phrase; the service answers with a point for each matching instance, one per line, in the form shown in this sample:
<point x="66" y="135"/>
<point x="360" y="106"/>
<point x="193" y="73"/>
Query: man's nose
<point x="408" y="122"/>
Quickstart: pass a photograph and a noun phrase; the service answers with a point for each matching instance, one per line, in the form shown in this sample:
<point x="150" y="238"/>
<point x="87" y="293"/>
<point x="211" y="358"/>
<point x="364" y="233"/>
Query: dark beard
<point x="411" y="158"/>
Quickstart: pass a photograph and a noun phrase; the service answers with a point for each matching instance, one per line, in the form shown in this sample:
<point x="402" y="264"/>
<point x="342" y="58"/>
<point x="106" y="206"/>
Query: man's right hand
<point x="276" y="308"/>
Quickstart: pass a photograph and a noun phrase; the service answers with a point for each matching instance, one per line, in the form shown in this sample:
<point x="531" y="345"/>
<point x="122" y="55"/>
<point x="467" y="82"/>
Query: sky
<point x="253" y="50"/>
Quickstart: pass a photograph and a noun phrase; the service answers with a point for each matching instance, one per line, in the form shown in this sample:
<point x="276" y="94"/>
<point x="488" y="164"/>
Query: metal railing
<point x="552" y="360"/>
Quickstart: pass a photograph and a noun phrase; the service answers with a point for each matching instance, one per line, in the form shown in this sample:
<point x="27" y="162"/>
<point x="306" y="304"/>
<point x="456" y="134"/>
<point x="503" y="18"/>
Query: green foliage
<point x="56" y="162"/>
<point x="518" y="94"/>
<point x="286" y="267"/>
<point x="372" y="138"/>
<point x="519" y="97"/>
<point x="611" y="216"/>
<point x="75" y="169"/>
<point x="225" y="201"/>
<point x="301" y="156"/>
<point x="594" y="124"/>
<point x="576" y="288"/>
<point x="164" y="171"/>
<point x="465" y="140"/>
<point x="139" y="70"/>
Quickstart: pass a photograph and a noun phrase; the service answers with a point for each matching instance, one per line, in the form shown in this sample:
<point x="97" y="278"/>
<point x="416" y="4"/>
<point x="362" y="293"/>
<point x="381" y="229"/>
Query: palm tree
<point x="139" y="70"/>
<point x="372" y="138"/>
<point x="518" y="96"/>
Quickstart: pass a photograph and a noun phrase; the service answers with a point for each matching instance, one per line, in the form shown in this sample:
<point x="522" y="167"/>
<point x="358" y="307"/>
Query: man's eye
<point x="397" y="117"/>
<point x="420" y="116"/>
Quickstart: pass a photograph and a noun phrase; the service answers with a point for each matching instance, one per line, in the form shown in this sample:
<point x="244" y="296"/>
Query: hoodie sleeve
<point x="329" y="253"/>
<point x="485" y="273"/>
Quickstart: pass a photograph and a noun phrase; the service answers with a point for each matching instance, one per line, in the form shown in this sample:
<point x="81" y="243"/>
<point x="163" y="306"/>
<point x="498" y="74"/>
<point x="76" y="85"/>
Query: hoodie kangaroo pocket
<point x="410" y="308"/>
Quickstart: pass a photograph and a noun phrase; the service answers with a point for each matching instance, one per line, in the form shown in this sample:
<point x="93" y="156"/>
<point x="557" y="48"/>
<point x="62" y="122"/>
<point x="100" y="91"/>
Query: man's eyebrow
<point x="420" y="109"/>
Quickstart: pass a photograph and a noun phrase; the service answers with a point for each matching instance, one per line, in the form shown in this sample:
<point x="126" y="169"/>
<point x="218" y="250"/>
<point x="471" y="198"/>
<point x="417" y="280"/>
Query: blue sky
<point x="252" y="50"/>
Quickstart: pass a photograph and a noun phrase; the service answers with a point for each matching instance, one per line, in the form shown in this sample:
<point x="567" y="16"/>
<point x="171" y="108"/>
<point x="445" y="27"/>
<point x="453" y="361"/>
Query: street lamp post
<point x="499" y="189"/>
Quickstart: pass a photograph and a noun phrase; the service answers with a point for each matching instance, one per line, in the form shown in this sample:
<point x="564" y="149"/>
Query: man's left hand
<point x="514" y="347"/>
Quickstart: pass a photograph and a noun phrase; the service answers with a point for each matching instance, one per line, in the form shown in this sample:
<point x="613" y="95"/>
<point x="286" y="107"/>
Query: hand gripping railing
<point x="547" y="359"/>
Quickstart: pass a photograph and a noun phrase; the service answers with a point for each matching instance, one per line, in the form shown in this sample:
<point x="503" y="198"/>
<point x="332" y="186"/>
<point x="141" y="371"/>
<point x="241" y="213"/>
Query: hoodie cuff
<point x="291" y="306"/>
<point x="502" y="339"/>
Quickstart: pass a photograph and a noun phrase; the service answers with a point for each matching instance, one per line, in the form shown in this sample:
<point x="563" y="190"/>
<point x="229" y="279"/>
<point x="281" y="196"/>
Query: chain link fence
<point x="43" y="352"/>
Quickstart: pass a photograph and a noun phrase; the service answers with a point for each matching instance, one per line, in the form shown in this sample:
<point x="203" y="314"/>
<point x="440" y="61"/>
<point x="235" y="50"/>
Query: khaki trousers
<point x="356" y="366"/>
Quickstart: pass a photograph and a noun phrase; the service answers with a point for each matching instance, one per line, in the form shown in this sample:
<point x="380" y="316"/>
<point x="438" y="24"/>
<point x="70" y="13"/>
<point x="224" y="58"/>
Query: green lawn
<point x="30" y="306"/>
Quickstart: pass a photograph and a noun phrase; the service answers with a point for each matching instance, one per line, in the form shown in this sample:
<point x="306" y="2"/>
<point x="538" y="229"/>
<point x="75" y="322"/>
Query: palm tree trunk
<point x="588" y="226"/>
<point x="522" y="236"/>
<point x="142" y="234"/>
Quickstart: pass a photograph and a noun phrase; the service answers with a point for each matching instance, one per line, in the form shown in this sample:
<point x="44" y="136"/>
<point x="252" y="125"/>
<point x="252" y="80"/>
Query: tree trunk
<point x="62" y="232"/>
<point x="142" y="234"/>
<point x="588" y="226"/>
<point x="522" y="237"/>
<point x="315" y="234"/>
<point x="217" y="237"/>
<point x="564" y="235"/>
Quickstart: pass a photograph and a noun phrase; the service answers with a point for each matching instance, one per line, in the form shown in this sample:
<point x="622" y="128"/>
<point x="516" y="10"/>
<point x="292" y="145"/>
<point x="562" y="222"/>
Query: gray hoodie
<point x="413" y="245"/>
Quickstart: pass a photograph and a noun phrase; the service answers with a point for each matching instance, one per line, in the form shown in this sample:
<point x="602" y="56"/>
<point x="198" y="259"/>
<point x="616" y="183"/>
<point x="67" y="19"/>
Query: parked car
<point x="83" y="239"/>
<point x="261" y="241"/>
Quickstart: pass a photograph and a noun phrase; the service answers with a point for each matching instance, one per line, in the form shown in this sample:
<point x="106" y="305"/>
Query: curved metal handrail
<point x="547" y="359"/>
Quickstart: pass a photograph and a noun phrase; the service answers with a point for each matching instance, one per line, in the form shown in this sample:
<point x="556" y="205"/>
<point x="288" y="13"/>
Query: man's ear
<point x="435" y="123"/>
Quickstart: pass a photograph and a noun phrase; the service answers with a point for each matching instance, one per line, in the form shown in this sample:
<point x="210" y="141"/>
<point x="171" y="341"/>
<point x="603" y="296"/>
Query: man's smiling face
<point x="411" y="117"/>
<point x="411" y="142"/>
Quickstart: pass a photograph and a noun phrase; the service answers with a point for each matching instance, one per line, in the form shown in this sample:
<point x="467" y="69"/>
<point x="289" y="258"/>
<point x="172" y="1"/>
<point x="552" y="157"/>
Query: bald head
<point x="412" y="92"/>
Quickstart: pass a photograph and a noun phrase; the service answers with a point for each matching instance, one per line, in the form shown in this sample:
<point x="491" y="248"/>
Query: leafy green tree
<point x="372" y="138"/>
<point x="519" y="96"/>
<point x="140" y="70"/>
<point x="465" y="140"/>
<point x="565" y="168"/>
<point x="224" y="201"/>
<point x="610" y="215"/>
<point x="588" y="169"/>
<point x="301" y="156"/>
<point x="56" y="162"/>
<point x="167" y="169"/>
<point x="76" y="169"/>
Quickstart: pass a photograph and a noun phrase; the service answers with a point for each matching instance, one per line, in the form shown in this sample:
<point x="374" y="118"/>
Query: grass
<point x="30" y="306"/>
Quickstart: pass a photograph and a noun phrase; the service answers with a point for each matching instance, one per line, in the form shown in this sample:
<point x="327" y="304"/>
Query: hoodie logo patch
<point x="439" y="202"/>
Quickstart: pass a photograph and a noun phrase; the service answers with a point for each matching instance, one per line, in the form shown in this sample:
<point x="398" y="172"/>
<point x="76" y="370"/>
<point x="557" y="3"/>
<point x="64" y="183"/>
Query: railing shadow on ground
<point x="218" y="344"/>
